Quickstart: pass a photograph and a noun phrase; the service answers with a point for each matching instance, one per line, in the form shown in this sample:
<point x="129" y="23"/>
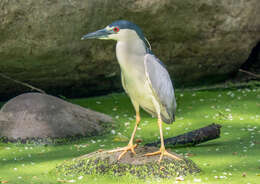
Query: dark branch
<point x="192" y="138"/>
<point x="22" y="83"/>
<point x="249" y="73"/>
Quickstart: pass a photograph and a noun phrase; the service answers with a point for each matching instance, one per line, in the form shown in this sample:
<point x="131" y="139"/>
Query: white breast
<point x="131" y="60"/>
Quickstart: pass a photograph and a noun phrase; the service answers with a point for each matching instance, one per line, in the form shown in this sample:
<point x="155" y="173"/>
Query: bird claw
<point x="163" y="152"/>
<point x="129" y="147"/>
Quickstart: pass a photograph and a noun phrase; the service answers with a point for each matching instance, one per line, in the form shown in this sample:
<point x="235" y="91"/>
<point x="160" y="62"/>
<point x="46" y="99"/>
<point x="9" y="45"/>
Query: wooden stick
<point x="192" y="138"/>
<point x="22" y="83"/>
<point x="249" y="73"/>
<point x="226" y="85"/>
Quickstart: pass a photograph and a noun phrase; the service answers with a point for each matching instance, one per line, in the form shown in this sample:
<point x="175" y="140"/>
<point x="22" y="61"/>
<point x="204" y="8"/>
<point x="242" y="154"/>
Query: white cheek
<point x="113" y="37"/>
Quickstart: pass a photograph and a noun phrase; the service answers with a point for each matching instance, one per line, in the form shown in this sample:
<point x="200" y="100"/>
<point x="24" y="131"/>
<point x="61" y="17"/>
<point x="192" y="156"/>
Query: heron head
<point x="121" y="30"/>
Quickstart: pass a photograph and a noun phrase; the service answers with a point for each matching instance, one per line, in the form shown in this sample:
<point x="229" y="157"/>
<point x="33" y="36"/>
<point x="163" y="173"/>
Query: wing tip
<point x="167" y="120"/>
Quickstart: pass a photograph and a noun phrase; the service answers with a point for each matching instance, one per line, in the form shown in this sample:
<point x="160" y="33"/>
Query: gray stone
<point x="36" y="115"/>
<point x="200" y="40"/>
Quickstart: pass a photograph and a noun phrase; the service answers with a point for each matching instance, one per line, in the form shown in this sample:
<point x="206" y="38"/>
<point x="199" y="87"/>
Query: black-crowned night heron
<point x="144" y="77"/>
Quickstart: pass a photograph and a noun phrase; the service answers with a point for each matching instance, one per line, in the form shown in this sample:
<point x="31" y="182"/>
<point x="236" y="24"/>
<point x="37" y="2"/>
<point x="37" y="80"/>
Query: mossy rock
<point x="103" y="162"/>
<point x="200" y="42"/>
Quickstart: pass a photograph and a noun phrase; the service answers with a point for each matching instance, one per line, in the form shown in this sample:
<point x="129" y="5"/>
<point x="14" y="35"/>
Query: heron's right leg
<point x="131" y="146"/>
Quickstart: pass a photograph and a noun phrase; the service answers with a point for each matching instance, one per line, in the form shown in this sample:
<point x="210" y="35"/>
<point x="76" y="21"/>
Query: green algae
<point x="104" y="163"/>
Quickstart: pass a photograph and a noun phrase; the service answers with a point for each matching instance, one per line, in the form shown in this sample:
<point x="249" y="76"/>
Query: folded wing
<point x="162" y="87"/>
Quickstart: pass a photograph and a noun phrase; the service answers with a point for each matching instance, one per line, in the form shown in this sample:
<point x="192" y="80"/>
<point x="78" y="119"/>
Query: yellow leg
<point x="162" y="150"/>
<point x="130" y="145"/>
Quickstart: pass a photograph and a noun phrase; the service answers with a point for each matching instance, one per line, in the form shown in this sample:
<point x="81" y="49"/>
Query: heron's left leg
<point x="162" y="150"/>
<point x="131" y="146"/>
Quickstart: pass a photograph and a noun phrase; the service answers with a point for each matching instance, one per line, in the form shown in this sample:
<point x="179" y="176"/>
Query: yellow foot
<point x="129" y="147"/>
<point x="163" y="152"/>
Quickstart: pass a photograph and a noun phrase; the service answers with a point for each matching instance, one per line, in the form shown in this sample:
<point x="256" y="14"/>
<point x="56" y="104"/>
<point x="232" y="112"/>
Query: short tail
<point x="168" y="120"/>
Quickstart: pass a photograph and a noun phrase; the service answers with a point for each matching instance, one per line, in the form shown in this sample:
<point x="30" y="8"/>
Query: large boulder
<point x="36" y="116"/>
<point x="197" y="40"/>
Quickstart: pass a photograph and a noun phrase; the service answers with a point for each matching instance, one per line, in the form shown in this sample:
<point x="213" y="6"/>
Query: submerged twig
<point x="22" y="83"/>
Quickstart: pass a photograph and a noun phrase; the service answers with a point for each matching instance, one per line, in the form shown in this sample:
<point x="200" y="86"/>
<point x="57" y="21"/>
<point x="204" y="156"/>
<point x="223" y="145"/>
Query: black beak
<point x="100" y="34"/>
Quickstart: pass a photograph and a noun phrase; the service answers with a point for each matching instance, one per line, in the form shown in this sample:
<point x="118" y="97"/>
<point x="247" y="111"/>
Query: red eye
<point x="116" y="29"/>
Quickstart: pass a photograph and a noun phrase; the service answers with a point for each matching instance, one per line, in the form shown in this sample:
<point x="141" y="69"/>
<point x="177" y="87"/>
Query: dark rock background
<point x="199" y="41"/>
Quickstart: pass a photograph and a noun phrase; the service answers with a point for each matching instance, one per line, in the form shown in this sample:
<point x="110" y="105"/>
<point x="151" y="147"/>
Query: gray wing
<point x="161" y="85"/>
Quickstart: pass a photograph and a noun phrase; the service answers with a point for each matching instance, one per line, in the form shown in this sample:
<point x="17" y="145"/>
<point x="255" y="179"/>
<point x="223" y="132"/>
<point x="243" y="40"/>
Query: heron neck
<point x="130" y="52"/>
<point x="131" y="47"/>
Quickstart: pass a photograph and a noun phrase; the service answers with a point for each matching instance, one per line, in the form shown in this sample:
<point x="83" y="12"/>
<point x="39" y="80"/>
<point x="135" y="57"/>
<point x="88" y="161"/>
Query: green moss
<point x="101" y="166"/>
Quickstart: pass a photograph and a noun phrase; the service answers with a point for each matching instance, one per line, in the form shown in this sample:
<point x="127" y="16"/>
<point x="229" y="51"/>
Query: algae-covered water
<point x="233" y="158"/>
